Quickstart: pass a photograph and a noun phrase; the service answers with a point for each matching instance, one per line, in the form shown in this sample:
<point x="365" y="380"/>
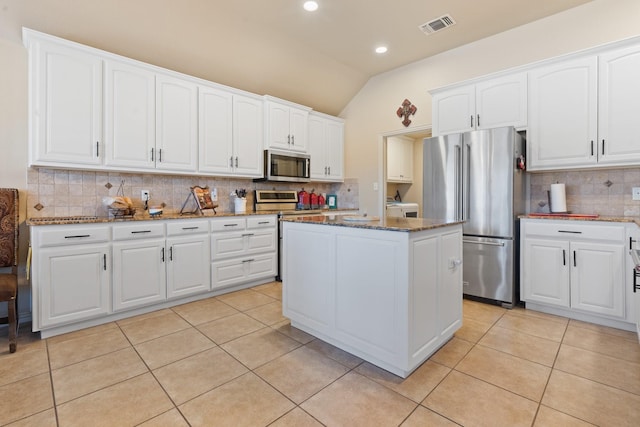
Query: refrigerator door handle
<point x="476" y="242"/>
<point x="458" y="183"/>
<point x="466" y="198"/>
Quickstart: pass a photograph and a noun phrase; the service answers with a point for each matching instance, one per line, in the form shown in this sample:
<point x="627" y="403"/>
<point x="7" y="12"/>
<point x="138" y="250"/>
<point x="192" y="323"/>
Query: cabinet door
<point x="66" y="106"/>
<point x="545" y="271"/>
<point x="597" y="281"/>
<point x="247" y="136"/>
<point x="563" y="115"/>
<point x="176" y="124"/>
<point x="298" y="127"/>
<point x="502" y="102"/>
<point x="334" y="156"/>
<point x="215" y="130"/>
<point x="73" y="283"/>
<point x="188" y="270"/>
<point x="318" y="147"/>
<point x="454" y="111"/>
<point x="278" y="135"/>
<point x="130" y="116"/>
<point x="138" y="273"/>
<point x="399" y="160"/>
<point x="619" y="103"/>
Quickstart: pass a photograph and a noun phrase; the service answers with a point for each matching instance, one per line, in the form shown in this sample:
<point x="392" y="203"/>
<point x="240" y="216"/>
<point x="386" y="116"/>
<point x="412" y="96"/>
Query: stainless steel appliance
<point x="286" y="166"/>
<point x="475" y="177"/>
<point x="402" y="209"/>
<point x="282" y="202"/>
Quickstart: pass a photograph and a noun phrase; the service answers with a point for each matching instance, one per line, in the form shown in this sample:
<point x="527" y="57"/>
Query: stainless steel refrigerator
<point x="474" y="176"/>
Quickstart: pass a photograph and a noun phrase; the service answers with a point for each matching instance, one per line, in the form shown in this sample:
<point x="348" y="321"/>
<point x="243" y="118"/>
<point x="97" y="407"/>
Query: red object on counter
<point x="321" y="201"/>
<point x="313" y="199"/>
<point x="303" y="200"/>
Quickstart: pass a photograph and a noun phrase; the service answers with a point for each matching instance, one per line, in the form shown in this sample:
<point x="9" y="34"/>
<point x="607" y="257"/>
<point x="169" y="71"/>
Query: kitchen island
<point x="387" y="290"/>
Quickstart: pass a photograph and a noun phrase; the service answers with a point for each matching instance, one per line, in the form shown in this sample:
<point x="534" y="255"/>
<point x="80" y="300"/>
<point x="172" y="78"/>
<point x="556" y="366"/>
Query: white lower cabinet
<point x="188" y="258"/>
<point x="243" y="249"/>
<point x="71" y="274"/>
<point x="87" y="274"/>
<point x="574" y="265"/>
<point x="138" y="265"/>
<point x="75" y="283"/>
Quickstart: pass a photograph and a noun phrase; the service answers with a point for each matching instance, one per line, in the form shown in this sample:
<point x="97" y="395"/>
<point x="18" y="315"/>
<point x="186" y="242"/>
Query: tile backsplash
<point x="57" y="192"/>
<point x="603" y="192"/>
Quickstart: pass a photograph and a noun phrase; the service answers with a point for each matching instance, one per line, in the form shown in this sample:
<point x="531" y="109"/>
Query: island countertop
<point x="375" y="223"/>
<point x="585" y="217"/>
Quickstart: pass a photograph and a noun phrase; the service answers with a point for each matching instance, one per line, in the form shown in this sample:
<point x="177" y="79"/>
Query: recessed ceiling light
<point x="310" y="6"/>
<point x="381" y="49"/>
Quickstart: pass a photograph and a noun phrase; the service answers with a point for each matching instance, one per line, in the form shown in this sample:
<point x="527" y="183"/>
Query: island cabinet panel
<point x="424" y="307"/>
<point x="391" y="296"/>
<point x="367" y="303"/>
<point x="311" y="296"/>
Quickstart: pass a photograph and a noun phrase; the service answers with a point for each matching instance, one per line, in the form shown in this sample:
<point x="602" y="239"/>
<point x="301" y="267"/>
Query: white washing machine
<point x="402" y="210"/>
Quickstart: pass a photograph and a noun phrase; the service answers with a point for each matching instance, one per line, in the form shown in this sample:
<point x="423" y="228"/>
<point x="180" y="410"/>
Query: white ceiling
<point x="320" y="59"/>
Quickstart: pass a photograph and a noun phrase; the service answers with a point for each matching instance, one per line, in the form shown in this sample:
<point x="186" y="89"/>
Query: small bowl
<point x="155" y="211"/>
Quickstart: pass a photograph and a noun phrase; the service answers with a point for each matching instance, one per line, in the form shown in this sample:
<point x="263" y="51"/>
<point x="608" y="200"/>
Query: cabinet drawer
<point x="142" y="230"/>
<point x="71" y="235"/>
<point x="228" y="224"/>
<point x="181" y="228"/>
<point x="261" y="221"/>
<point x="575" y="230"/>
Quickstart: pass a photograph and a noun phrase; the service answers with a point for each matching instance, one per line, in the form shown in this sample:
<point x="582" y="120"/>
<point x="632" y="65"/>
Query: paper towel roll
<point x="558" y="198"/>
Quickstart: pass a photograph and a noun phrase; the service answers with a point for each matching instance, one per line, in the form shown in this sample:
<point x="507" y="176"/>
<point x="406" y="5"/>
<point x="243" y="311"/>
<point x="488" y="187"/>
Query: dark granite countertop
<point x="587" y="217"/>
<point x="375" y="223"/>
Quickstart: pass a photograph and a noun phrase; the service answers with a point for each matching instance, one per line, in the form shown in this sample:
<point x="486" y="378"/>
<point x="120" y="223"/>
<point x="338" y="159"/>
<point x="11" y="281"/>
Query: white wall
<point x="372" y="111"/>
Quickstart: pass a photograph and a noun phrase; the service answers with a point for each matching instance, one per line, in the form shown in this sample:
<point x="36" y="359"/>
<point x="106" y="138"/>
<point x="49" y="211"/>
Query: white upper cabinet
<point x="326" y="147"/>
<point x="65" y="106"/>
<point x="582" y="112"/>
<point x="215" y="130"/>
<point x="563" y="115"/>
<point x="399" y="160"/>
<point x="286" y="125"/>
<point x="247" y="136"/>
<point x="130" y="115"/>
<point x="176" y="124"/>
<point x="491" y="103"/>
<point x="230" y="133"/>
<point x="618" y="106"/>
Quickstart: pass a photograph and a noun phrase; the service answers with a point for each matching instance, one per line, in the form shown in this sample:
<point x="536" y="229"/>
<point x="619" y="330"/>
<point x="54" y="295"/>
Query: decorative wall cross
<point x="407" y="109"/>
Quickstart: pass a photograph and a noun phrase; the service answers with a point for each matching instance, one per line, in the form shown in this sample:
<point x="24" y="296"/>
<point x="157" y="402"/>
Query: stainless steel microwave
<point x="286" y="166"/>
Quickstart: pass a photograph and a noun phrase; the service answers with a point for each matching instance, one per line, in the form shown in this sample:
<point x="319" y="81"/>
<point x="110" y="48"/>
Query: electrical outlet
<point x="375" y="186"/>
<point x="214" y="194"/>
<point x="635" y="193"/>
<point x="144" y="195"/>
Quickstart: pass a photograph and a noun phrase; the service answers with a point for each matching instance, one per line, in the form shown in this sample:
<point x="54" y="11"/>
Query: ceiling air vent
<point x="437" y="24"/>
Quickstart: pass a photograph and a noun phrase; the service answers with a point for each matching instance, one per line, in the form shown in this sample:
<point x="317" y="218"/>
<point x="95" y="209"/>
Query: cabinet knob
<point x="454" y="262"/>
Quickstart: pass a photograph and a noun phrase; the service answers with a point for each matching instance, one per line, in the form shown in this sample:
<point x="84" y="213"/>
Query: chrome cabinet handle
<point x="98" y="149"/>
<point x="160" y="155"/>
<point x="231" y="161"/>
<point x="140" y="231"/>
<point x="104" y="262"/>
<point x="293" y="139"/>
<point x="564" y="257"/>
<point x="236" y="161"/>
<point x="152" y="152"/>
<point x="78" y="236"/>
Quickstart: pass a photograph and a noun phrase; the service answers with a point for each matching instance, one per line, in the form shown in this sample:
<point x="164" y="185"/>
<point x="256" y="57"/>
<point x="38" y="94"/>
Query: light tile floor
<point x="235" y="360"/>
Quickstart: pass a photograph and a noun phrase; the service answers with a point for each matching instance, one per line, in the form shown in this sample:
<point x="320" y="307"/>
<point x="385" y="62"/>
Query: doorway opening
<point x="400" y="171"/>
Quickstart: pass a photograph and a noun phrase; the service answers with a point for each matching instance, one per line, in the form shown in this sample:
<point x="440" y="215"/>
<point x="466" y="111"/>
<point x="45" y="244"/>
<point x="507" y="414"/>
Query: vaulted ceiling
<point x="320" y="59"/>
